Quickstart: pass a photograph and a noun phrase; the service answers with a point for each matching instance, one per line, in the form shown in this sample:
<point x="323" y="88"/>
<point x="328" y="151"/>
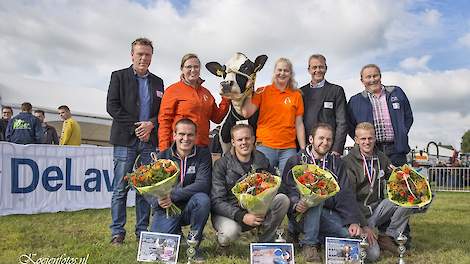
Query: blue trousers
<point x="195" y="213"/>
<point x="124" y="158"/>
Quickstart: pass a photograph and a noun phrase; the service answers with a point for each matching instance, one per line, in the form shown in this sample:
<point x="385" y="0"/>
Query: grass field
<point x="442" y="235"/>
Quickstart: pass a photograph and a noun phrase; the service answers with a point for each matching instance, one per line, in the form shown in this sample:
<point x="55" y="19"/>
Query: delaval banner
<point x="49" y="178"/>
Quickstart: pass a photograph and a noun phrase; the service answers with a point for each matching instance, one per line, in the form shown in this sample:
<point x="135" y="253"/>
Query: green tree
<point x="465" y="145"/>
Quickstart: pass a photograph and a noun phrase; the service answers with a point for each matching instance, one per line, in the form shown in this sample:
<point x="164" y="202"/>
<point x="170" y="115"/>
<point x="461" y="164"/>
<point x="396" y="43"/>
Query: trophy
<point x="192" y="243"/>
<point x="279" y="238"/>
<point x="401" y="241"/>
<point x="364" y="245"/>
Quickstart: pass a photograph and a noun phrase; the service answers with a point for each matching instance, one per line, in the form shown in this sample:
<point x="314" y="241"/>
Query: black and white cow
<point x="239" y="75"/>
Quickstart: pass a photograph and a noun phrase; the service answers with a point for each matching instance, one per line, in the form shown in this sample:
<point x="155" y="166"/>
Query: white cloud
<point x="465" y="40"/>
<point x="431" y="17"/>
<point x="416" y="64"/>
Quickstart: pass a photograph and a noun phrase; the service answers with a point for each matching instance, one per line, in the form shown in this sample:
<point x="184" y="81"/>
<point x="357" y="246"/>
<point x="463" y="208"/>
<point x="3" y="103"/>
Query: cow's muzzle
<point x="226" y="86"/>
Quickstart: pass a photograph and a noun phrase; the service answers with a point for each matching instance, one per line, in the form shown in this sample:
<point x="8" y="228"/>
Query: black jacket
<point x="227" y="172"/>
<point x="327" y="105"/>
<point x="50" y="135"/>
<point x="343" y="202"/>
<point x="123" y="105"/>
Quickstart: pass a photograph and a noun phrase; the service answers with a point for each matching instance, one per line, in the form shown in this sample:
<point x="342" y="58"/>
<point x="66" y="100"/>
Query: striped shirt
<point x="382" y="122"/>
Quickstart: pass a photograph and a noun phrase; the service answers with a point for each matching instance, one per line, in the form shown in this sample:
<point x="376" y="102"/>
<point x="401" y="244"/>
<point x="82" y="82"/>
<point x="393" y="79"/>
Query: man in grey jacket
<point x="324" y="102"/>
<point x="228" y="218"/>
<point x="367" y="169"/>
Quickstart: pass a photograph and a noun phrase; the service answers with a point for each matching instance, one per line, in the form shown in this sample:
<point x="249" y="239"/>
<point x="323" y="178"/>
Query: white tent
<point x="88" y="105"/>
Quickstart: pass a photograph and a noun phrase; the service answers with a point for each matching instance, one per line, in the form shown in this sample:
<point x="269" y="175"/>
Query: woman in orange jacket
<point x="189" y="99"/>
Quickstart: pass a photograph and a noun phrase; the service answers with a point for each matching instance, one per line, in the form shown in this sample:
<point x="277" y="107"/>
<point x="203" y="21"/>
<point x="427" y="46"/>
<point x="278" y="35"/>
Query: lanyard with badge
<point x="371" y="172"/>
<point x="310" y="154"/>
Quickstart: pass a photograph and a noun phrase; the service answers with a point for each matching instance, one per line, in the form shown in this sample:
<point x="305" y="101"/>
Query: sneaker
<point x="310" y="254"/>
<point x="117" y="240"/>
<point x="388" y="244"/>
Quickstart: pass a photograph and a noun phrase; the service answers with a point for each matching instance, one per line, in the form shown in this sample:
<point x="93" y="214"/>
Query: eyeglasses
<point x="190" y="67"/>
<point x="319" y="67"/>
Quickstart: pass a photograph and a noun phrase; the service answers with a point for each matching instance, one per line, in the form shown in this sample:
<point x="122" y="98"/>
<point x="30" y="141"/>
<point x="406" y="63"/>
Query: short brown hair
<point x="318" y="57"/>
<point x="7" y="107"/>
<point x="142" y="41"/>
<point x="370" y="66"/>
<point x="37" y="111"/>
<point x="239" y="127"/>
<point x="321" y="125"/>
<point x="26" y="107"/>
<point x="187" y="57"/>
<point x="64" y="107"/>
<point x="186" y="121"/>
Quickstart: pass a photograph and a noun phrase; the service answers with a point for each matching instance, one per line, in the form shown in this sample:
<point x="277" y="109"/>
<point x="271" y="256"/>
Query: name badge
<point x="396" y="105"/>
<point x="191" y="169"/>
<point x="159" y="94"/>
<point x="328" y="105"/>
<point x="245" y="122"/>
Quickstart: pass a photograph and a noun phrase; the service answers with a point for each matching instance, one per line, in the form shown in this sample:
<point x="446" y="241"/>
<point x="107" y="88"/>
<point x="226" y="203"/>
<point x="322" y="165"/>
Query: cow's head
<point x="239" y="75"/>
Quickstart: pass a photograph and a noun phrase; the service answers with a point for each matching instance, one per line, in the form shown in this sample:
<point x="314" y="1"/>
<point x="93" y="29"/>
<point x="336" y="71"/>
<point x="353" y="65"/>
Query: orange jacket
<point x="184" y="101"/>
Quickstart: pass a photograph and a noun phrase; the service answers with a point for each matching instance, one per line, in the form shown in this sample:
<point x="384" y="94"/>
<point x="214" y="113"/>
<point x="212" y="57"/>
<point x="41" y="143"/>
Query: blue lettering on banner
<point x="53" y="176"/>
<point x="46" y="178"/>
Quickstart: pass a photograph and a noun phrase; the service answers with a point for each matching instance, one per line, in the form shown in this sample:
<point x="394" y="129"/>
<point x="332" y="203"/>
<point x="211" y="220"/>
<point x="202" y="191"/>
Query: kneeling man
<point x="228" y="218"/>
<point x="191" y="194"/>
<point x="367" y="169"/>
<point x="338" y="216"/>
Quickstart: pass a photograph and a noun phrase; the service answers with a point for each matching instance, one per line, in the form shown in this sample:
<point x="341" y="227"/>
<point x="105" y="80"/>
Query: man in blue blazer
<point x="133" y="101"/>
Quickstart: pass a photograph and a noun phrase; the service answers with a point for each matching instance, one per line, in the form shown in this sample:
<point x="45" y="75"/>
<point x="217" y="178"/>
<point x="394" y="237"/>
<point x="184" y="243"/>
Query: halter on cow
<point x="239" y="75"/>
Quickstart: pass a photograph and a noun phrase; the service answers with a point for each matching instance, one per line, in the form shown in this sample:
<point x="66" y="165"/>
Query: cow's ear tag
<point x="219" y="73"/>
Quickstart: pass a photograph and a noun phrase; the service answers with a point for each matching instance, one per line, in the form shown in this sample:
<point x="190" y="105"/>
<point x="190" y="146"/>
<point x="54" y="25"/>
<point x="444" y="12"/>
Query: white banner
<point x="48" y="178"/>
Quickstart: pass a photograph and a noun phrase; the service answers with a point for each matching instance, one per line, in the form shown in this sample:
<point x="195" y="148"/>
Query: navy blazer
<point x="360" y="110"/>
<point x="123" y="104"/>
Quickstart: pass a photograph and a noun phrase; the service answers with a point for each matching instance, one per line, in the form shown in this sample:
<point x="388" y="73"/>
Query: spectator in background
<point x="7" y="113"/>
<point x="133" y="101"/>
<point x="71" y="134"/>
<point x="50" y="134"/>
<point x="24" y="128"/>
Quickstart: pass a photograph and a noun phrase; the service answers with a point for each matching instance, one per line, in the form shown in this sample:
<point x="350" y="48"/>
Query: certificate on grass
<point x="276" y="253"/>
<point x="342" y="250"/>
<point x="158" y="247"/>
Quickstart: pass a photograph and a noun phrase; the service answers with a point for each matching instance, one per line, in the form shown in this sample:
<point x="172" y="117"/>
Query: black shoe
<point x="117" y="240"/>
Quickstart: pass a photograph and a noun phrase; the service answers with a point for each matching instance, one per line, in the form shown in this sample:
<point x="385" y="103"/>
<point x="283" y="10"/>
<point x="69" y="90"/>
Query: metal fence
<point x="449" y="179"/>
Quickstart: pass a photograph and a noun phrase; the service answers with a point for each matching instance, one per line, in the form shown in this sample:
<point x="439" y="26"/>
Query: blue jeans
<point x="277" y="157"/>
<point x="195" y="213"/>
<point x="316" y="224"/>
<point x="124" y="158"/>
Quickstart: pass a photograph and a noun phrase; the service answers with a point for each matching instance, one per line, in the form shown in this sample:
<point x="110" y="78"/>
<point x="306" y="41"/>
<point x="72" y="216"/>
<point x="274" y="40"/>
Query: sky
<point x="421" y="46"/>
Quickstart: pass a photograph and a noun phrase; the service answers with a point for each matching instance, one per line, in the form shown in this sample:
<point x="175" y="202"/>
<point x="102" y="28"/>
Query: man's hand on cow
<point x="370" y="234"/>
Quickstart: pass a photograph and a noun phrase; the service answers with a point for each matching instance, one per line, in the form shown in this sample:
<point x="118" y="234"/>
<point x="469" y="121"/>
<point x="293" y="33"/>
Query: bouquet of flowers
<point x="408" y="188"/>
<point x="156" y="180"/>
<point x="314" y="184"/>
<point x="256" y="191"/>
